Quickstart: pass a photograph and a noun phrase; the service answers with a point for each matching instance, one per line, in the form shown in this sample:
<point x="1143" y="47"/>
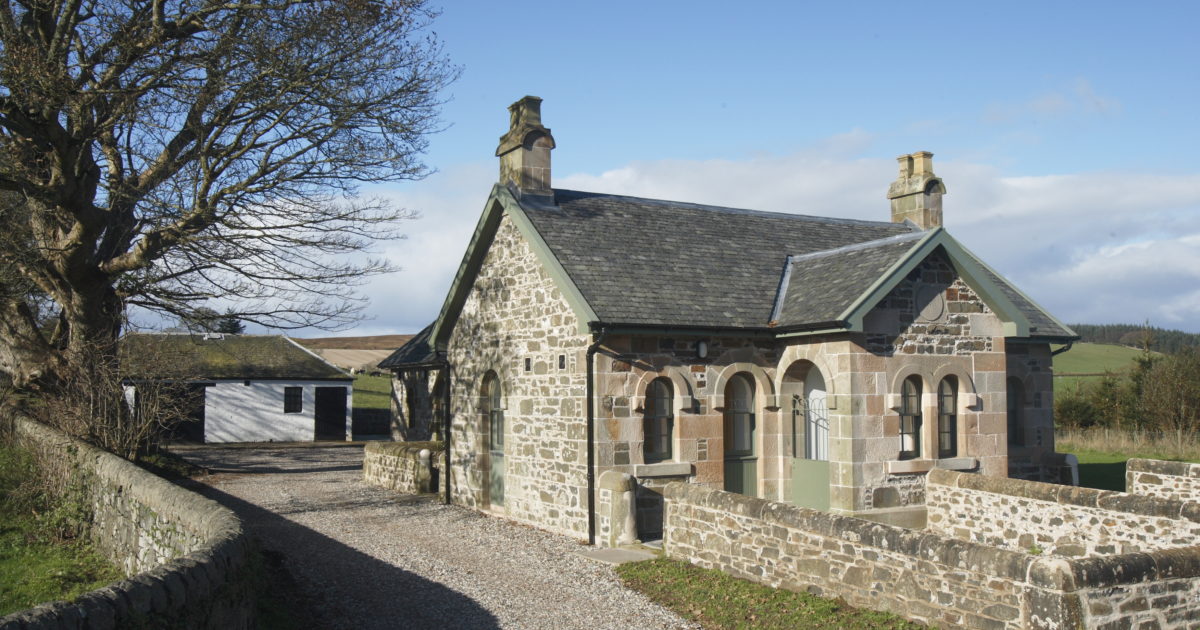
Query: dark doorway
<point x="186" y="402"/>
<point x="331" y="413"/>
<point x="192" y="427"/>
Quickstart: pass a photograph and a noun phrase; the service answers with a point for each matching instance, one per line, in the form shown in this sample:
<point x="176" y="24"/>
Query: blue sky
<point x="1066" y="134"/>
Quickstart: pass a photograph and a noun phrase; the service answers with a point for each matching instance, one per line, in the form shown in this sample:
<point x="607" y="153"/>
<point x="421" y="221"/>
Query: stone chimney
<point x="524" y="151"/>
<point x="917" y="193"/>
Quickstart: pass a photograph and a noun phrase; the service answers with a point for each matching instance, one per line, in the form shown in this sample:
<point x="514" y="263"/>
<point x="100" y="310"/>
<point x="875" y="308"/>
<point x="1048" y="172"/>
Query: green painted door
<point x="810" y="444"/>
<point x="741" y="459"/>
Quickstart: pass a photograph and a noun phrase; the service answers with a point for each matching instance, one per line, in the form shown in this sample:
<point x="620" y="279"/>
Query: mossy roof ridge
<point x="199" y="356"/>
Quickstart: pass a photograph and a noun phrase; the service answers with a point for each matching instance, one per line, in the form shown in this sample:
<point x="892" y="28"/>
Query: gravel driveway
<point x="363" y="557"/>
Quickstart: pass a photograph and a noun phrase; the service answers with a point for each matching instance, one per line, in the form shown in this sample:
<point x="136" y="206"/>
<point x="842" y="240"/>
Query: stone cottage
<point x="826" y="362"/>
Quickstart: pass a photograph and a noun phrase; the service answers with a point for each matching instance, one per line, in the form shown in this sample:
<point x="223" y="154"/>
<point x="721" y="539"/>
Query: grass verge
<point x="372" y="392"/>
<point x="716" y="600"/>
<point x="36" y="565"/>
<point x="1102" y="453"/>
<point x="1103" y="471"/>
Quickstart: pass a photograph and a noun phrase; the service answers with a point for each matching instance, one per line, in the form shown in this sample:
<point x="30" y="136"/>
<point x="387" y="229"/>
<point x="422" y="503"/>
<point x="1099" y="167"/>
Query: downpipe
<point x="591" y="435"/>
<point x="445" y="364"/>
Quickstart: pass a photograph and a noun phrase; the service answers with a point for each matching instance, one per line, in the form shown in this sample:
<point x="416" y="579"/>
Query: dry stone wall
<point x="1166" y="480"/>
<point x="1054" y="519"/>
<point x="926" y="576"/>
<point x="185" y="555"/>
<point x="918" y="575"/>
<point x="410" y="467"/>
<point x="517" y="324"/>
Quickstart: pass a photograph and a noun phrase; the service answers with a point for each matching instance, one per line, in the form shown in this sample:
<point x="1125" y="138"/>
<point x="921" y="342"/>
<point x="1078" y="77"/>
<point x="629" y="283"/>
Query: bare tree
<point x="163" y="153"/>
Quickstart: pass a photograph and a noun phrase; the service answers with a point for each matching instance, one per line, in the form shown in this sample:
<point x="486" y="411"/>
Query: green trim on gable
<point x="481" y="240"/>
<point x="858" y="309"/>
<point x="965" y="264"/>
<point x="979" y="261"/>
<point x="499" y="202"/>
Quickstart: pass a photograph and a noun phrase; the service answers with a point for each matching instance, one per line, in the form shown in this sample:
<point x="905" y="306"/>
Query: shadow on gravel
<point x="265" y="460"/>
<point x="257" y="470"/>
<point x="345" y="588"/>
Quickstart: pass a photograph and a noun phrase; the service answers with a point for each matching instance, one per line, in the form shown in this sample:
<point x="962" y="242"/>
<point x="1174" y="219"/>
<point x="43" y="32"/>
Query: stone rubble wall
<point x="925" y="576"/>
<point x="1054" y="519"/>
<point x="918" y="575"/>
<point x="185" y="555"/>
<point x="1163" y="479"/>
<point x="397" y="466"/>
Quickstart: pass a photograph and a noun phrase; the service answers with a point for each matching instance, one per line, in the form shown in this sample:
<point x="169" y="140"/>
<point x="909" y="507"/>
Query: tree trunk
<point x="35" y="354"/>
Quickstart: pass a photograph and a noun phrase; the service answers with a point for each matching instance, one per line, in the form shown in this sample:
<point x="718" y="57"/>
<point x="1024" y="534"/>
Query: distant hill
<point x="377" y="342"/>
<point x="1135" y="336"/>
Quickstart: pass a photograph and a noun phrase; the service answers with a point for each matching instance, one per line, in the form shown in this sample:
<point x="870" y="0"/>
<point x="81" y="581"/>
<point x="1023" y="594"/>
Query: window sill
<point x="904" y="466"/>
<point x="663" y="469"/>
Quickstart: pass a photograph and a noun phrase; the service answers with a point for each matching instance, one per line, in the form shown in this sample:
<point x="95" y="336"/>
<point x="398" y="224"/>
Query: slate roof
<point x="416" y="352"/>
<point x="193" y="357"/>
<point x="819" y="287"/>
<point x="666" y="263"/>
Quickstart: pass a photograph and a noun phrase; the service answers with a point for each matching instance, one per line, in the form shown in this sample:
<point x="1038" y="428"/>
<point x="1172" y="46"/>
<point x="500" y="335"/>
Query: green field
<point x="1104" y="468"/>
<point x="372" y="392"/>
<point x="1091" y="358"/>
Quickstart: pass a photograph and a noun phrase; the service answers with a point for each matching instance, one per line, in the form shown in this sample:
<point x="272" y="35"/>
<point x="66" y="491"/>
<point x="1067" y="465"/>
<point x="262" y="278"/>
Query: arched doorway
<point x="741" y="457"/>
<point x="804" y="385"/>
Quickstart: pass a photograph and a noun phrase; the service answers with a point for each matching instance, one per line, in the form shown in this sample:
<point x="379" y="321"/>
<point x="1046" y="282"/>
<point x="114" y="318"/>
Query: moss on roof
<point x="217" y="356"/>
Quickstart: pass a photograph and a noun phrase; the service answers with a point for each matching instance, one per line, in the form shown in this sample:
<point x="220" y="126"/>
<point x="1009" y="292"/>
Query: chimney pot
<point x="922" y="163"/>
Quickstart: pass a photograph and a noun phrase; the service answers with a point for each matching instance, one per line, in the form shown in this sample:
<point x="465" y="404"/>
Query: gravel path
<point x="370" y="558"/>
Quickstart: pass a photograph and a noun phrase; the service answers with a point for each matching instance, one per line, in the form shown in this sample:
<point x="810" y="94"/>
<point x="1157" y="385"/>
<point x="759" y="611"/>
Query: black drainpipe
<point x="591" y="436"/>
<point x="445" y="365"/>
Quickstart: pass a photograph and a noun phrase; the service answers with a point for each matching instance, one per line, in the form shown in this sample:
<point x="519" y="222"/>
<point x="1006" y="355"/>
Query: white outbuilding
<point x="248" y="388"/>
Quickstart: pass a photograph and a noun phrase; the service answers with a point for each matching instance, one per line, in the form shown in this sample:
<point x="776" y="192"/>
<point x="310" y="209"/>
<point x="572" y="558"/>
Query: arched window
<point x="739" y="414"/>
<point x="741" y="464"/>
<point x="659" y="421"/>
<point x="910" y="418"/>
<point x="948" y="417"/>
<point x="493" y="409"/>
<point x="1016" y="400"/>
